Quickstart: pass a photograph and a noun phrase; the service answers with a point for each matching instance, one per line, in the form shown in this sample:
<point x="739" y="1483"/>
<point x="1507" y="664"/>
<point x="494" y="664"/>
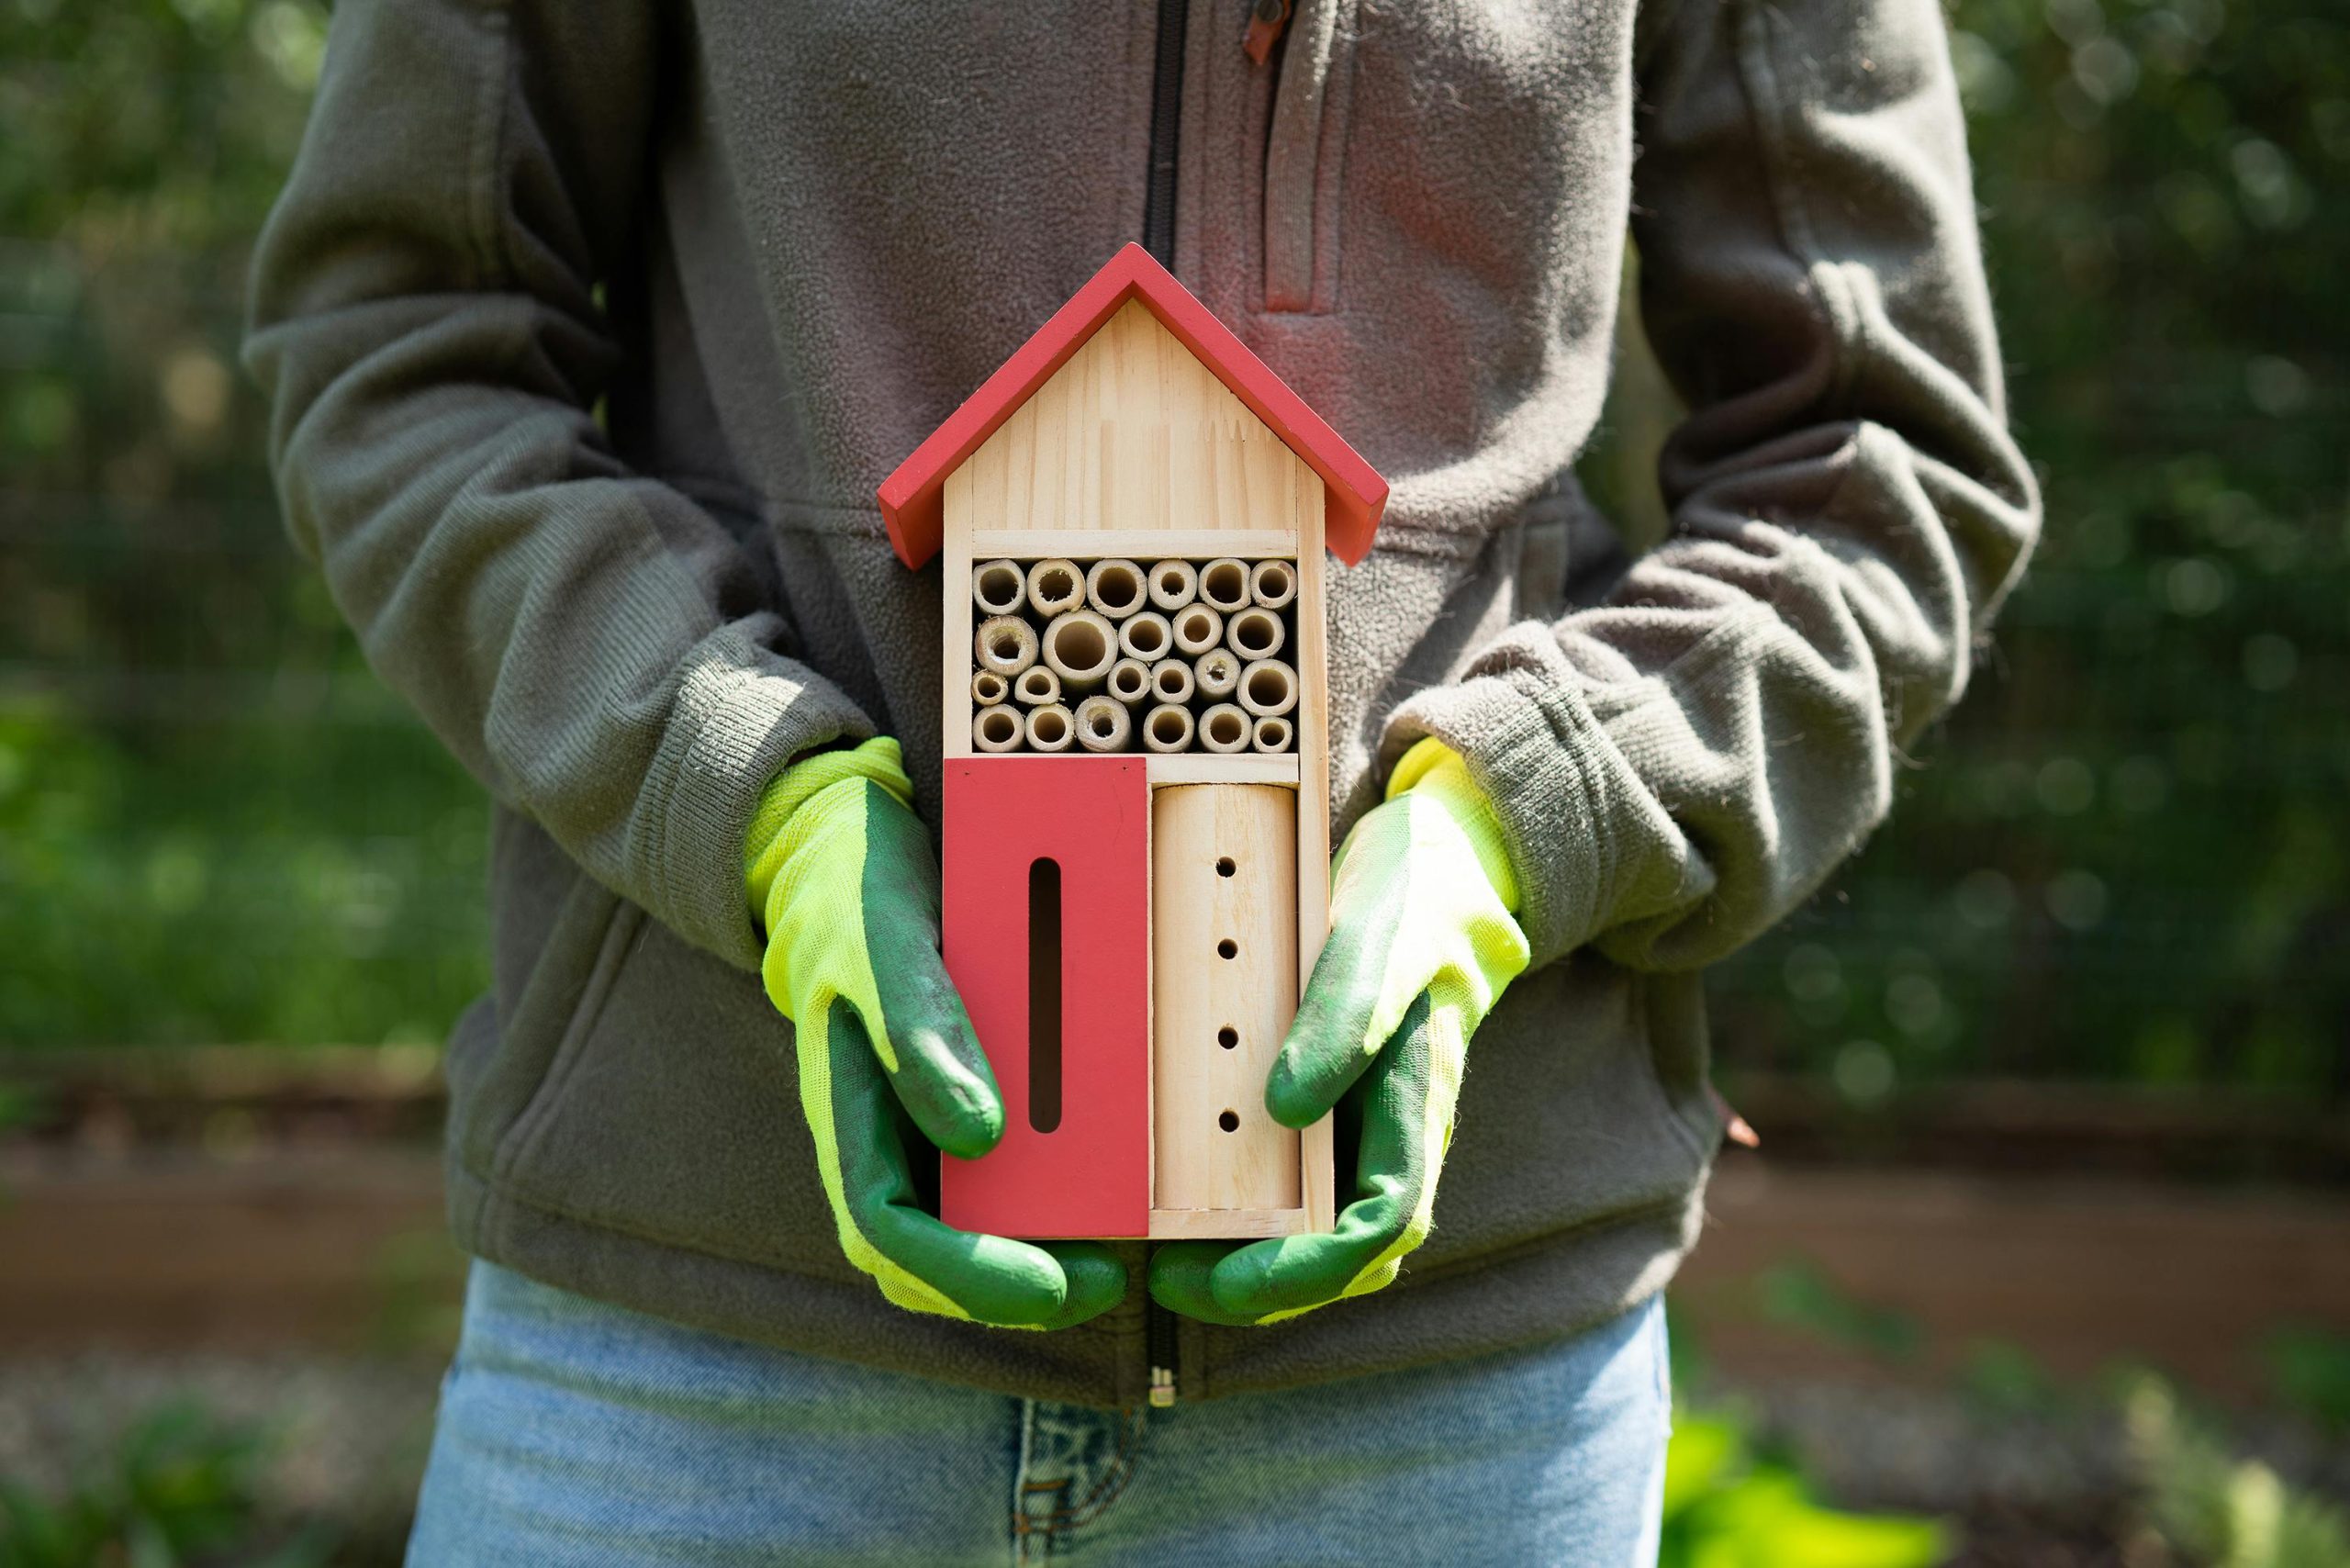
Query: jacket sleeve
<point x="1680" y="766"/>
<point x="427" y="322"/>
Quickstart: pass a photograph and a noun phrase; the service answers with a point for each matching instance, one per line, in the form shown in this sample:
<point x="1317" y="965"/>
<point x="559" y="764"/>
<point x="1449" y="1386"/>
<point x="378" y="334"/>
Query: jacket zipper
<point x="1165" y="107"/>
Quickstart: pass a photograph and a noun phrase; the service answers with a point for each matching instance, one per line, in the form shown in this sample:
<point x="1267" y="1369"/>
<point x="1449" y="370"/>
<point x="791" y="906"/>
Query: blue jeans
<point x="572" y="1432"/>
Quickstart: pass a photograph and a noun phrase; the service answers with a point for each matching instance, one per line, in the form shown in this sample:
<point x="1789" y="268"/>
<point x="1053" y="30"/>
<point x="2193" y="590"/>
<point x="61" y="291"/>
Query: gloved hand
<point x="844" y="880"/>
<point x="1421" y="944"/>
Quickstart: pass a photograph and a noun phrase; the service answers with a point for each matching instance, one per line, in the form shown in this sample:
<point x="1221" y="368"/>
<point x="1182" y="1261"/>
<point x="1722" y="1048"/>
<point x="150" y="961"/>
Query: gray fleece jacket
<point x="591" y="325"/>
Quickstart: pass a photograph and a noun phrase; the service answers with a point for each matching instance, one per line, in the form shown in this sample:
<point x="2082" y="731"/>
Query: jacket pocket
<point x="1304" y="158"/>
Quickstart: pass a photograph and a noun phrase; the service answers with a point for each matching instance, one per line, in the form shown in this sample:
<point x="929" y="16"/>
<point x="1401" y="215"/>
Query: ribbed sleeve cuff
<point x="742" y="712"/>
<point x="1547" y="766"/>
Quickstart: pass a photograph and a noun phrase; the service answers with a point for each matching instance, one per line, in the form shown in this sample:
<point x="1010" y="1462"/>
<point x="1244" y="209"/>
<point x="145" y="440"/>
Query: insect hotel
<point x="1131" y="515"/>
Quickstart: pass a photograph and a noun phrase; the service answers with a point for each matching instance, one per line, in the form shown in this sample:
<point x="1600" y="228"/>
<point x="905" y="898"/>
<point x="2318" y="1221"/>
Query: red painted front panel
<point x="1090" y="1176"/>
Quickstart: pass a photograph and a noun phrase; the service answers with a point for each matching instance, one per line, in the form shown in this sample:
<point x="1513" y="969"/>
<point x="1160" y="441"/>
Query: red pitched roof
<point x="1353" y="493"/>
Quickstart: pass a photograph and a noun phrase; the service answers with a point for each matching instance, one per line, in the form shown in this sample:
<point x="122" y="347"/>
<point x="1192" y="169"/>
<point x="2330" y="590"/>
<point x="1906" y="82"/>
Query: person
<point x="589" y="328"/>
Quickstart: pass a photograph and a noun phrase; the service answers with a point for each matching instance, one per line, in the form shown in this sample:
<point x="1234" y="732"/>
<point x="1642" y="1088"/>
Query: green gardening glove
<point x="843" y="878"/>
<point x="1421" y="941"/>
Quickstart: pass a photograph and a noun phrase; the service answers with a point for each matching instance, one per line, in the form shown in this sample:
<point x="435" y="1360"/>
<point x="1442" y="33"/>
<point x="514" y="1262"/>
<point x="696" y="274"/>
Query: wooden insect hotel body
<point x="1131" y="514"/>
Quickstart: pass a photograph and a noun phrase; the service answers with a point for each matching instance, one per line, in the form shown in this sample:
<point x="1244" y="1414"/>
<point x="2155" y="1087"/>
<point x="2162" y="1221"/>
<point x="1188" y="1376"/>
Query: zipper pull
<point x="1162" y="1387"/>
<point x="1266" y="21"/>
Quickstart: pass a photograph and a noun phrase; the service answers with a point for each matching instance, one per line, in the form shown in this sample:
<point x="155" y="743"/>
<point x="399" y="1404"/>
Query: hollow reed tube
<point x="1050" y="728"/>
<point x="1000" y="588"/>
<point x="996" y="728"/>
<point x="1055" y="587"/>
<point x="1006" y="645"/>
<point x="1267" y="688"/>
<point x="1173" y="584"/>
<point x="1115" y="589"/>
<point x="1079" y="647"/>
<point x="1168" y="728"/>
<point x="1104" y="724"/>
<point x="1224" y="728"/>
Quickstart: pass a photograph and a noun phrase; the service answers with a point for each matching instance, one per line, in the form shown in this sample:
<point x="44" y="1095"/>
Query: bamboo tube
<point x="1173" y="584"/>
<point x="1130" y="681"/>
<point x="1115" y="589"/>
<point x="1079" y="647"/>
<point x="1271" y="735"/>
<point x="1104" y="724"/>
<point x="1055" y="587"/>
<point x="1050" y="728"/>
<point x="1197" y="628"/>
<point x="1224" y="728"/>
<point x="987" y="687"/>
<point x="1223" y="990"/>
<point x="1038" y="685"/>
<point x="996" y="728"/>
<point x="1167" y="727"/>
<point x="1267" y="688"/>
<point x="1145" y="636"/>
<point x="1000" y="588"/>
<point x="1005" y="644"/>
<point x="1171" y="681"/>
<point x="1272" y="584"/>
<point x="1218" y="673"/>
<point x="1256" y="632"/>
<point x="1223" y="584"/>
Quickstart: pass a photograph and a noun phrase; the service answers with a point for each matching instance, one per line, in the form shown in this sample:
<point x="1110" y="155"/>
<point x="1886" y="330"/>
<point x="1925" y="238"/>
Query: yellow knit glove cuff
<point x="765" y="845"/>
<point x="1434" y="771"/>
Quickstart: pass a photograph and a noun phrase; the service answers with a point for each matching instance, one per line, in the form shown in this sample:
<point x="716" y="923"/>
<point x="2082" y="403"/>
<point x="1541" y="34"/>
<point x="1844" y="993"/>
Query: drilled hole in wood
<point x="1223" y="865"/>
<point x="1228" y="948"/>
<point x="1229" y="1121"/>
<point x="1228" y="1037"/>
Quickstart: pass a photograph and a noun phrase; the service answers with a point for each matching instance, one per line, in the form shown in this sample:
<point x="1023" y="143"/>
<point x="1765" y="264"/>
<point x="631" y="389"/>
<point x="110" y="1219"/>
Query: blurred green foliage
<point x="1726" y="1506"/>
<point x="2124" y="860"/>
<point x="180" y="1488"/>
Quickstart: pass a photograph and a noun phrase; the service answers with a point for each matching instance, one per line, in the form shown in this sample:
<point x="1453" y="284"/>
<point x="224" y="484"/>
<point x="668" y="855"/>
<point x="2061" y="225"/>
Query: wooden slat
<point x="1224" y="962"/>
<point x="1138" y="544"/>
<point x="1179" y="1224"/>
<point x="1221" y="767"/>
<point x="956" y="661"/>
<point x="1316" y="1153"/>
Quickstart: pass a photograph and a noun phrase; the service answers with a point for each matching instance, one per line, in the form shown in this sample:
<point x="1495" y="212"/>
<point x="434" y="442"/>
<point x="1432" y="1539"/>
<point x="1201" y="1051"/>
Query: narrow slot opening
<point x="1043" y="994"/>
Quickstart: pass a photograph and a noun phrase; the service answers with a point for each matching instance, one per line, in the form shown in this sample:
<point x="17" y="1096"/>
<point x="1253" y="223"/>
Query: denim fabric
<point x="575" y="1433"/>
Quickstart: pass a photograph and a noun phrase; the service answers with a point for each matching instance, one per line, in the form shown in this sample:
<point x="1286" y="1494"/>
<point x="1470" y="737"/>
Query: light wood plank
<point x="956" y="663"/>
<point x="1212" y="1225"/>
<point x="1316" y="1151"/>
<point x="1177" y="768"/>
<point x="1134" y="432"/>
<point x="1224" y="958"/>
<point x="1138" y="544"/>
